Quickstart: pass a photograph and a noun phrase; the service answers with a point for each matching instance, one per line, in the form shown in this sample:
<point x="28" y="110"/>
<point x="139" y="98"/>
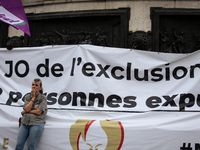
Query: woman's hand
<point x="23" y="112"/>
<point x="33" y="94"/>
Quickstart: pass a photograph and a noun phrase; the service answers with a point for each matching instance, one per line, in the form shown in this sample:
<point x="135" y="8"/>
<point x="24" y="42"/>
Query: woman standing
<point x="33" y="120"/>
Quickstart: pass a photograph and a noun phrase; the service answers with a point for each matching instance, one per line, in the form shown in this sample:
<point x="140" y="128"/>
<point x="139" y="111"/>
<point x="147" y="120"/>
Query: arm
<point x="28" y="107"/>
<point x="36" y="112"/>
<point x="39" y="110"/>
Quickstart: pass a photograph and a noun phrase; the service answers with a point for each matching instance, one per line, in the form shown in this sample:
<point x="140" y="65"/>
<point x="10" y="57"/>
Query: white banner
<point x="104" y="98"/>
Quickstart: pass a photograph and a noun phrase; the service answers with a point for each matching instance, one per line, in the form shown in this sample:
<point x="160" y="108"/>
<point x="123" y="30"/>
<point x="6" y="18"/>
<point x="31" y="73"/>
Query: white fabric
<point x="160" y="112"/>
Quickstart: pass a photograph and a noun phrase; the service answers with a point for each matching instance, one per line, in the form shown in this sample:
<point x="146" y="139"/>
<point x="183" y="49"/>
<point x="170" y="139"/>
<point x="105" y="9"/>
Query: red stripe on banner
<point x="78" y="141"/>
<point x="87" y="127"/>
<point x="122" y="136"/>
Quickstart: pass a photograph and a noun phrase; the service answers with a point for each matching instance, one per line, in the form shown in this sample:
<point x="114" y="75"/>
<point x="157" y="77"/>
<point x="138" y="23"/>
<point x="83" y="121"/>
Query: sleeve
<point x="43" y="105"/>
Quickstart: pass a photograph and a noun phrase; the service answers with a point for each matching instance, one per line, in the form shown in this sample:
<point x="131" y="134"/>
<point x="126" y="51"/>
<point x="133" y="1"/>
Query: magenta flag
<point x="12" y="12"/>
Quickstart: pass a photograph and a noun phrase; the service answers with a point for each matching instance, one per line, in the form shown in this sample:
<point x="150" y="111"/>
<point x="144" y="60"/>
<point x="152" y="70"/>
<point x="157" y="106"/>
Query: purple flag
<point x="12" y="12"/>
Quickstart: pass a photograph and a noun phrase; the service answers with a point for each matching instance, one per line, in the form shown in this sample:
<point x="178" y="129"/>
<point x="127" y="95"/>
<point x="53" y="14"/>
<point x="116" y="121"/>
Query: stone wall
<point x="140" y="9"/>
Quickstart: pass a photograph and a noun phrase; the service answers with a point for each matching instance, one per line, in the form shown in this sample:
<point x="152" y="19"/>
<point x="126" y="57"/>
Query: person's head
<point x="37" y="85"/>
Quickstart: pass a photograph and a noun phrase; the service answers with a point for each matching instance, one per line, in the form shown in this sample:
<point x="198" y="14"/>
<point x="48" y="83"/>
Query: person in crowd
<point x="33" y="117"/>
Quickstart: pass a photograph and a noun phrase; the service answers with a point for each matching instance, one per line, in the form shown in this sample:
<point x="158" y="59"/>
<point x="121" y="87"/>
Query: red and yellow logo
<point x="96" y="135"/>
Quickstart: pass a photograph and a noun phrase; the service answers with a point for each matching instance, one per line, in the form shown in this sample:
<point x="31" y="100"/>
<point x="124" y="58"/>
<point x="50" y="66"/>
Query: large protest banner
<point x="104" y="98"/>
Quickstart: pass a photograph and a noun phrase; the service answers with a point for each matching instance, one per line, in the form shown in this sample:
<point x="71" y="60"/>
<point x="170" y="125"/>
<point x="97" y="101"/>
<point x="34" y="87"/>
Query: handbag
<point x="20" y="121"/>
